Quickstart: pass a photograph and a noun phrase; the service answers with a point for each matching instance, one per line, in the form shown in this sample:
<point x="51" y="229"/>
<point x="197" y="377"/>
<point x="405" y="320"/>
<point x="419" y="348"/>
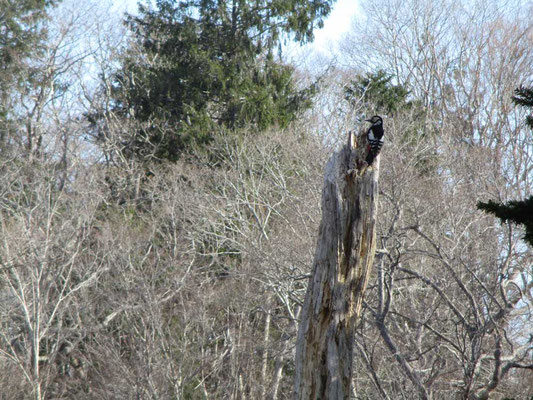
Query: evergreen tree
<point x="376" y="90"/>
<point x="524" y="97"/>
<point x="376" y="93"/>
<point x="519" y="212"/>
<point x="21" y="37"/>
<point x="210" y="64"/>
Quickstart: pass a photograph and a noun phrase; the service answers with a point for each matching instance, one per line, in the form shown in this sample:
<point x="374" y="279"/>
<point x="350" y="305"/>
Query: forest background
<point x="160" y="180"/>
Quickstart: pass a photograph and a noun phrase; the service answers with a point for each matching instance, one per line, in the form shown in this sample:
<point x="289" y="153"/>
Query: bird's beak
<point x="368" y="120"/>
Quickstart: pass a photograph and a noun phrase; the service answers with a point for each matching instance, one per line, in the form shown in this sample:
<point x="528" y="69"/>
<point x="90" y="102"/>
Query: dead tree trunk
<point x="341" y="268"/>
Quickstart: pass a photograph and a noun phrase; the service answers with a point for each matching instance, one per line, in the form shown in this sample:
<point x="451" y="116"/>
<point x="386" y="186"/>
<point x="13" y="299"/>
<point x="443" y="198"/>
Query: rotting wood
<point x="341" y="268"/>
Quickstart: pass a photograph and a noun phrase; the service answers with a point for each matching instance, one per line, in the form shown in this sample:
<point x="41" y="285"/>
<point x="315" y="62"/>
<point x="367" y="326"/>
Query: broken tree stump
<point x="341" y="269"/>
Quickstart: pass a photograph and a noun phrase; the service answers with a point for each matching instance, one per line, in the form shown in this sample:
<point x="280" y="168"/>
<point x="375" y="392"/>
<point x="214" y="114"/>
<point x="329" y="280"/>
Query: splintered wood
<point x="341" y="269"/>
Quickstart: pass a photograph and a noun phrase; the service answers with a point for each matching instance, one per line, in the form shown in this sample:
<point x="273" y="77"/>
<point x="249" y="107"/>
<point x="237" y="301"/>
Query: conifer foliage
<point x="377" y="90"/>
<point x="201" y="65"/>
<point x="524" y="97"/>
<point x="519" y="212"/>
<point x="21" y="37"/>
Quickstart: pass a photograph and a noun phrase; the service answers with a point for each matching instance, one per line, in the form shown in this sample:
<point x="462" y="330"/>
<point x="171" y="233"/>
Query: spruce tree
<point x="21" y="38"/>
<point x="524" y="97"/>
<point x="517" y="211"/>
<point x="377" y="91"/>
<point x="199" y="66"/>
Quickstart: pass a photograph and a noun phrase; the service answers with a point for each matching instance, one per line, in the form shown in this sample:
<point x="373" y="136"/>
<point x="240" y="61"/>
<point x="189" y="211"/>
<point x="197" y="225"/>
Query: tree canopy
<point x="197" y="66"/>
<point x="188" y="277"/>
<point x="21" y="37"/>
<point x="376" y="89"/>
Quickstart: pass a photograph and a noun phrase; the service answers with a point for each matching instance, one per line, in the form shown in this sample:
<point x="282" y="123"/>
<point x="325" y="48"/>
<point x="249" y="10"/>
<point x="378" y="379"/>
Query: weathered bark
<point x="341" y="268"/>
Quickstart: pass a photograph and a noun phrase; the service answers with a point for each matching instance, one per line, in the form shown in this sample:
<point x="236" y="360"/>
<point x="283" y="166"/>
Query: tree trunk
<point x="341" y="268"/>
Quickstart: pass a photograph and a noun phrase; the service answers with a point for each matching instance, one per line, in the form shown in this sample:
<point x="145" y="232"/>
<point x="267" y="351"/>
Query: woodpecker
<point x="375" y="138"/>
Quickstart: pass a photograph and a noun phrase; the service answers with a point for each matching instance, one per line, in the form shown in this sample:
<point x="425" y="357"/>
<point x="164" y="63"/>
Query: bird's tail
<point x="370" y="157"/>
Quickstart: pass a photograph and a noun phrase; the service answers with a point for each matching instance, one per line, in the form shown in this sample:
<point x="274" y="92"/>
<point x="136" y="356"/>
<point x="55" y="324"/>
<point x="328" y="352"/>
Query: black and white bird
<point x="375" y="138"/>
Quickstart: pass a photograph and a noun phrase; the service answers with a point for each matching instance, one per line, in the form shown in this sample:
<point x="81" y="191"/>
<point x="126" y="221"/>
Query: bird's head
<point x="376" y="120"/>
